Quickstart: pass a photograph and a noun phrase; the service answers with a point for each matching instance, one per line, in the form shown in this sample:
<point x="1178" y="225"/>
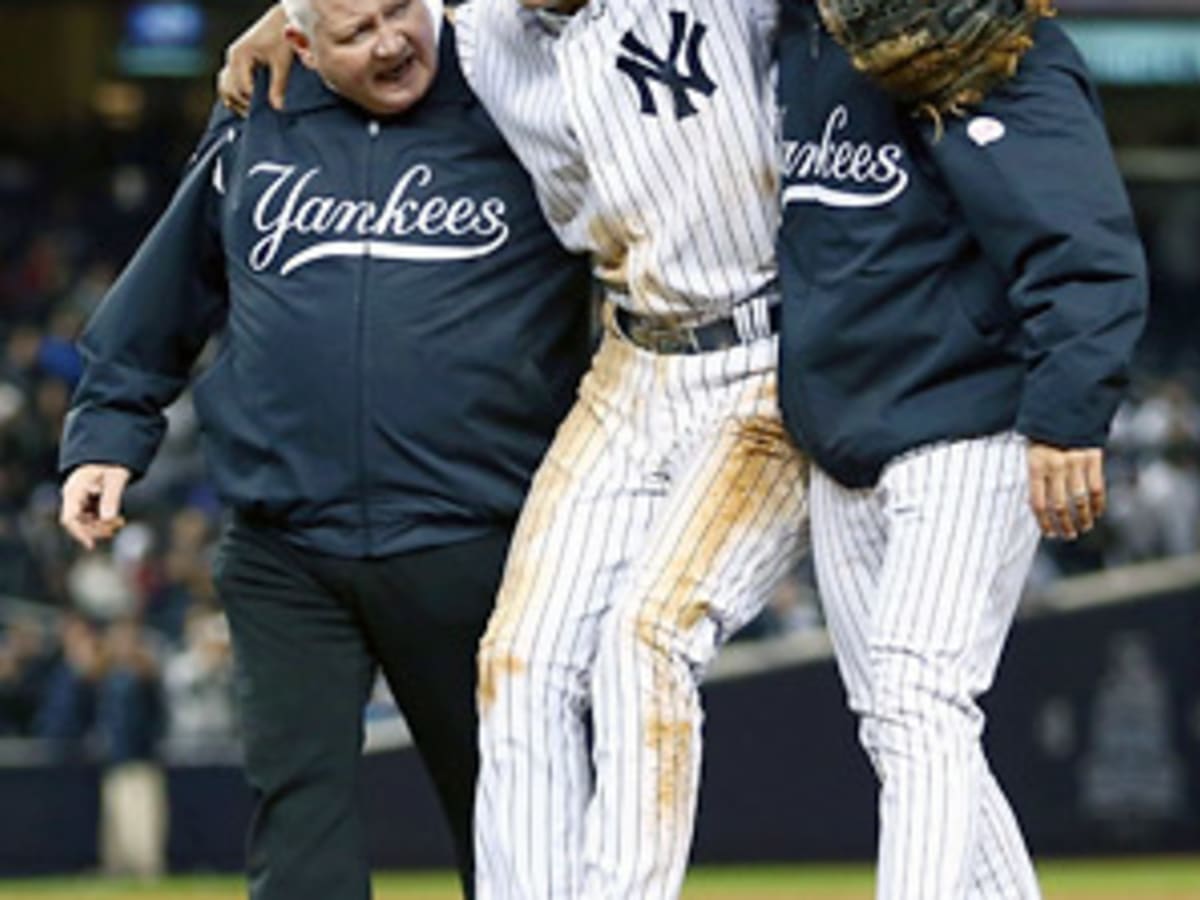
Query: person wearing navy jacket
<point x="398" y="336"/>
<point x="961" y="300"/>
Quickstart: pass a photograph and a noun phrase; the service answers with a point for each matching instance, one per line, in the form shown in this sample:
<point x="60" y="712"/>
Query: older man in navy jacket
<point x="959" y="310"/>
<point x="399" y="334"/>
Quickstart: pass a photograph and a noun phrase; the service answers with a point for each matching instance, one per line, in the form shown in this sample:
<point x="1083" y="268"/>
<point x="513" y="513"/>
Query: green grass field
<point x="1143" y="879"/>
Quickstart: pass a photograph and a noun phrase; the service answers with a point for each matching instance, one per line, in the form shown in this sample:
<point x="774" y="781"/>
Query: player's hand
<point x="262" y="44"/>
<point x="1066" y="489"/>
<point x="91" y="502"/>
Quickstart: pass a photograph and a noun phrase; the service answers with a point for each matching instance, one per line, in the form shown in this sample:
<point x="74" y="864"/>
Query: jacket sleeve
<point x="141" y="343"/>
<point x="1033" y="172"/>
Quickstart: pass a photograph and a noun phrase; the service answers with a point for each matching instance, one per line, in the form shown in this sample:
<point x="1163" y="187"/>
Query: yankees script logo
<point x="643" y="65"/>
<point x="842" y="173"/>
<point x="413" y="224"/>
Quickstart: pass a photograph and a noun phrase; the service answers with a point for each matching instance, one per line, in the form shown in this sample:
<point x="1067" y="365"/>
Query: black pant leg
<point x="303" y="673"/>
<point x="426" y="641"/>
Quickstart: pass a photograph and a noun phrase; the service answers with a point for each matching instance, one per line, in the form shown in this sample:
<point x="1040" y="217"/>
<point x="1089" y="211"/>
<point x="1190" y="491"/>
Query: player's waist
<point x="669" y="333"/>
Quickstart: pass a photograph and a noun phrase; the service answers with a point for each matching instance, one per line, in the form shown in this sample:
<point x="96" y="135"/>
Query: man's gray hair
<point x="301" y="14"/>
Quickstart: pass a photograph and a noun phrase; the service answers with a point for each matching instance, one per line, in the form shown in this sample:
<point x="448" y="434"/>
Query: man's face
<point x="561" y="6"/>
<point x="379" y="54"/>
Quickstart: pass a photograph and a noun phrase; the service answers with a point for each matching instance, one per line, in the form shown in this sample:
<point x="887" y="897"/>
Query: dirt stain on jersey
<point x="492" y="669"/>
<point x="580" y="441"/>
<point x="649" y="290"/>
<point x="610" y="253"/>
<point x="759" y="468"/>
<point x="764" y="437"/>
<point x="649" y="285"/>
<point x="654" y="632"/>
<point x="692" y="613"/>
<point x="762" y="463"/>
<point x="669" y="738"/>
<point x="768" y="181"/>
<point x="671" y="743"/>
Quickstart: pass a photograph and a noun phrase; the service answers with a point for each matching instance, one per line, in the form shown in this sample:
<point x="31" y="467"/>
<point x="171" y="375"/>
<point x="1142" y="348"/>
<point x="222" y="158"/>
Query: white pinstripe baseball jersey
<point x="648" y="128"/>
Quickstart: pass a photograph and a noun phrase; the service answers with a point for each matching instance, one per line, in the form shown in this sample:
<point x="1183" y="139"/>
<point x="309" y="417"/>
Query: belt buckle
<point x="661" y="336"/>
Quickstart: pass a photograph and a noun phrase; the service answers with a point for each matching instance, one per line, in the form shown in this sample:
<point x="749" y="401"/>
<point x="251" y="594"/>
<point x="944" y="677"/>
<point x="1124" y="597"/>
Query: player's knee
<point x="642" y="634"/>
<point x="540" y="679"/>
<point x="651" y="641"/>
<point x="670" y="628"/>
<point x="916" y="703"/>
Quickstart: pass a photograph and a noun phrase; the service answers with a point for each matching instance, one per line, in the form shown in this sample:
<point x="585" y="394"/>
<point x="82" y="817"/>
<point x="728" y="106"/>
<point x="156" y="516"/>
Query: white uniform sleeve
<point x="507" y="54"/>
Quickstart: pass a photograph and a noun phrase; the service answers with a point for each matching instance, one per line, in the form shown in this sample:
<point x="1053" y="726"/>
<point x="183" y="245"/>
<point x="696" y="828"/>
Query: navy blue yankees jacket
<point x="399" y="332"/>
<point x="937" y="289"/>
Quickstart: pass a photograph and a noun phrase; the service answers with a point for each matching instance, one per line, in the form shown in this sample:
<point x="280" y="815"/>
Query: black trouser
<point x="308" y="632"/>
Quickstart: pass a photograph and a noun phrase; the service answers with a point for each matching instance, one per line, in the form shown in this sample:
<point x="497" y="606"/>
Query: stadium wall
<point x="1095" y="732"/>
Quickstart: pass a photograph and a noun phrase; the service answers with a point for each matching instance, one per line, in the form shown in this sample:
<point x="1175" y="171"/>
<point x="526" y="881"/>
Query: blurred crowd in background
<point x="117" y="651"/>
<point x="110" y="652"/>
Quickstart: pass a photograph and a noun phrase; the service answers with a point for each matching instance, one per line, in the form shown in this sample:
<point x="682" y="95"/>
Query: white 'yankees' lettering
<point x="362" y="228"/>
<point x="862" y="175"/>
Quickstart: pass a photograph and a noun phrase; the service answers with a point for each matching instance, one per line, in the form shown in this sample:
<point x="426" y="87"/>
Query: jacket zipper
<point x="360" y="311"/>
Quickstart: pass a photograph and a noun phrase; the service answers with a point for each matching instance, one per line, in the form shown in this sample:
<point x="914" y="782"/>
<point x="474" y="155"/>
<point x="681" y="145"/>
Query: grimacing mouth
<point x="396" y="72"/>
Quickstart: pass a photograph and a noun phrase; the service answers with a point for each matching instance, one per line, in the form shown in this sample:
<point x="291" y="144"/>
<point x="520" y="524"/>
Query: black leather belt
<point x="660" y="334"/>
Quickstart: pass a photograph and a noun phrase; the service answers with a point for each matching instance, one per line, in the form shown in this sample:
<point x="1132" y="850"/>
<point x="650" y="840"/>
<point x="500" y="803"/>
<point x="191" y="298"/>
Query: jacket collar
<point x="307" y="92"/>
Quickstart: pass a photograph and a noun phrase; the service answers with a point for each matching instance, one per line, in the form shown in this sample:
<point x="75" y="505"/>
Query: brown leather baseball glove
<point x="940" y="56"/>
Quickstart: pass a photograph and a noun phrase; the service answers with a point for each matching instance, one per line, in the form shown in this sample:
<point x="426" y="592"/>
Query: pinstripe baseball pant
<point x="669" y="504"/>
<point x="920" y="577"/>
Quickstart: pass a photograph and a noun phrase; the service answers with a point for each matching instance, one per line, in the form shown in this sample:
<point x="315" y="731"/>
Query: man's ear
<point x="302" y="44"/>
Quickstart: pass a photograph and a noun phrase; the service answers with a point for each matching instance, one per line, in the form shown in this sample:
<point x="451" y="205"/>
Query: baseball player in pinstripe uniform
<point x="959" y="310"/>
<point x="671" y="500"/>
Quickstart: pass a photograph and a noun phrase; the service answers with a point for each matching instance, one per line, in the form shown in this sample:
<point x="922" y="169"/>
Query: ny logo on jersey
<point x="643" y="65"/>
